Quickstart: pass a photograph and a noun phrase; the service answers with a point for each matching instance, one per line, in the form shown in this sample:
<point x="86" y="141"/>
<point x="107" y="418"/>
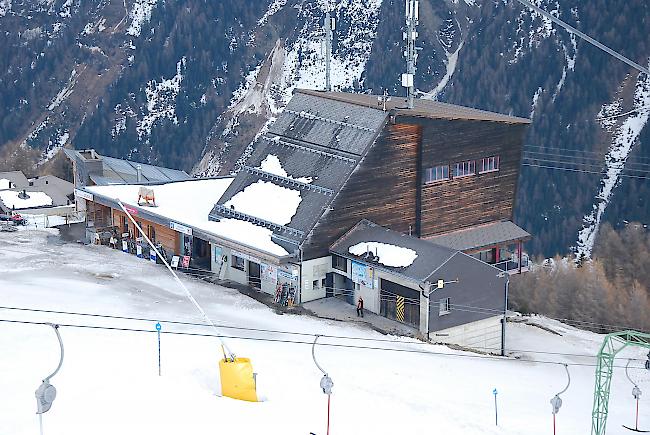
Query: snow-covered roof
<point x="189" y="203"/>
<point x="387" y="254"/>
<point x="5" y="184"/>
<point x="11" y="199"/>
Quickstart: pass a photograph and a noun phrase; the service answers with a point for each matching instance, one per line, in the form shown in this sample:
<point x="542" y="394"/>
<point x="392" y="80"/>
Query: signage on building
<point x="269" y="272"/>
<point x="152" y="256"/>
<point x="180" y="228"/>
<point x="131" y="210"/>
<point x="218" y="252"/>
<point x="362" y="274"/>
<point x="287" y="275"/>
<point x="81" y="194"/>
<point x="125" y="246"/>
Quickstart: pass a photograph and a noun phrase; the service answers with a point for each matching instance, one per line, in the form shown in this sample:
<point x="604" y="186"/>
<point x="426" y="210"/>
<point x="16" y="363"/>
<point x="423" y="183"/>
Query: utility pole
<point x="410" y="35"/>
<point x="505" y="312"/>
<point x="329" y="27"/>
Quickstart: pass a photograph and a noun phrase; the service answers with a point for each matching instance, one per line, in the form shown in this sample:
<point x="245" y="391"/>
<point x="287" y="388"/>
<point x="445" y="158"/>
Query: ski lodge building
<point x="346" y="195"/>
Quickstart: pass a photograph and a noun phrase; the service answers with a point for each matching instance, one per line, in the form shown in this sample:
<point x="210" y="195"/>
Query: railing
<point x="512" y="265"/>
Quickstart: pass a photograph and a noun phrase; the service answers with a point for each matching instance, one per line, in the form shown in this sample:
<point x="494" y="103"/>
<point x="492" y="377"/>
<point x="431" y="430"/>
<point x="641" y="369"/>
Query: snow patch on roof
<point x="190" y="203"/>
<point x="272" y="165"/>
<point x="267" y="201"/>
<point x="389" y="255"/>
<point x="36" y="199"/>
<point x="140" y="14"/>
<point x="5" y="184"/>
<point x="5" y="7"/>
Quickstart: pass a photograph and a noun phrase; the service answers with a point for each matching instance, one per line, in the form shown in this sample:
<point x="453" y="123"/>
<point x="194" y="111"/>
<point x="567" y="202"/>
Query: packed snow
<point x="389" y="255"/>
<point x="36" y="199"/>
<point x="5" y="184"/>
<point x="190" y="203"/>
<point x="5" y="7"/>
<point x="623" y="139"/>
<point x="109" y="381"/>
<point x="268" y="201"/>
<point x="65" y="91"/>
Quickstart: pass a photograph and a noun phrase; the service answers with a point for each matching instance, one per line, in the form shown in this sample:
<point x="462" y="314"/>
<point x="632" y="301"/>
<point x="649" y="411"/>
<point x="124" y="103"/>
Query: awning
<point x="475" y="238"/>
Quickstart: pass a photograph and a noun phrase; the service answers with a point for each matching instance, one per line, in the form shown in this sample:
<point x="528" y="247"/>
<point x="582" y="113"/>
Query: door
<point x="254" y="275"/>
<point x="349" y="291"/>
<point x="400" y="303"/>
<point x="329" y="285"/>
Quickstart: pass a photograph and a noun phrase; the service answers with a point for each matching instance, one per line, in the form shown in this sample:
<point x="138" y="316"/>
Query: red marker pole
<point x="553" y="424"/>
<point x="328" y="414"/>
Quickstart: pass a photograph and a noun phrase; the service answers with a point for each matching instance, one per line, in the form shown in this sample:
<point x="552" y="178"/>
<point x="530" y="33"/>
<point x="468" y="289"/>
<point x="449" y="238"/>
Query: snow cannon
<point x="237" y="379"/>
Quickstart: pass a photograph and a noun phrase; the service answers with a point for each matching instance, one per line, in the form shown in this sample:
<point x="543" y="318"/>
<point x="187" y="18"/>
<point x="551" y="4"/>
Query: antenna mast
<point x="410" y="35"/>
<point x="329" y="27"/>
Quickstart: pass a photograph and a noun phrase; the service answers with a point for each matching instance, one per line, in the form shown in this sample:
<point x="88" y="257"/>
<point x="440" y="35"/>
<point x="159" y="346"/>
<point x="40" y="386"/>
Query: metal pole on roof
<point x="410" y="35"/>
<point x="329" y="26"/>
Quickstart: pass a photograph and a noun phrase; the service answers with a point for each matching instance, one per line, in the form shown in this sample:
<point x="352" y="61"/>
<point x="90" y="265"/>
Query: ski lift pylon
<point x="636" y="393"/>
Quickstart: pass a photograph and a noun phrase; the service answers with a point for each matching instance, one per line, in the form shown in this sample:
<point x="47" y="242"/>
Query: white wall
<point x="481" y="335"/>
<point x="312" y="270"/>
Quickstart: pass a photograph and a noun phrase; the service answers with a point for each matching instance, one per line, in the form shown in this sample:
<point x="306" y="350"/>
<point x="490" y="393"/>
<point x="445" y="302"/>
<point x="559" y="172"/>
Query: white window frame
<point x="436" y="174"/>
<point x="468" y="166"/>
<point x="444" y="306"/>
<point x="492" y="163"/>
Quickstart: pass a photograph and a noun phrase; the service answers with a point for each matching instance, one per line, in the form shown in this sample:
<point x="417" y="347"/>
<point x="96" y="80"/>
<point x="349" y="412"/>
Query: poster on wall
<point x="185" y="262"/>
<point x="175" y="259"/>
<point x="218" y="252"/>
<point x="362" y="274"/>
<point x="269" y="273"/>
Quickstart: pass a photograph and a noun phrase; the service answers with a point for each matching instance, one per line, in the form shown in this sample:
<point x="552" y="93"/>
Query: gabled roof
<point x="482" y="236"/>
<point x="103" y="170"/>
<point x="429" y="258"/>
<point x="422" y="107"/>
<point x="17" y="179"/>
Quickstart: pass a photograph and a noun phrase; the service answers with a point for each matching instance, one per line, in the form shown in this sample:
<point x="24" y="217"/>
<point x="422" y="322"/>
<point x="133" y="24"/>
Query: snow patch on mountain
<point x="65" y="91"/>
<point x="623" y="139"/>
<point x="54" y="146"/>
<point x="5" y="7"/>
<point x="539" y="28"/>
<point x="570" y="64"/>
<point x="450" y="66"/>
<point x="538" y="92"/>
<point x="161" y="101"/>
<point x="274" y="7"/>
<point x="140" y="15"/>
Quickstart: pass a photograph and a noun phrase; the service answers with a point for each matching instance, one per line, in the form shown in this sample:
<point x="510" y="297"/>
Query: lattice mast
<point x="410" y="53"/>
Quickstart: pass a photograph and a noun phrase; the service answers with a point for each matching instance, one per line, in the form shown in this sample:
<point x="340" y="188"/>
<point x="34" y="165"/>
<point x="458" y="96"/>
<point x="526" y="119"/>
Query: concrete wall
<point x="314" y="270"/>
<point x="481" y="335"/>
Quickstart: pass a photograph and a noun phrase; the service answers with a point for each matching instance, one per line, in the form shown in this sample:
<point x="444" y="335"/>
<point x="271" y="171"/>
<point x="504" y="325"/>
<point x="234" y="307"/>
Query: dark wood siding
<point x="382" y="189"/>
<point x="474" y="200"/>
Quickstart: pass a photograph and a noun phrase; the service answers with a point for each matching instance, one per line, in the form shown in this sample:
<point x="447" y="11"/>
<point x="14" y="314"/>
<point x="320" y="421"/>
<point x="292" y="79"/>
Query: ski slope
<point x="109" y="380"/>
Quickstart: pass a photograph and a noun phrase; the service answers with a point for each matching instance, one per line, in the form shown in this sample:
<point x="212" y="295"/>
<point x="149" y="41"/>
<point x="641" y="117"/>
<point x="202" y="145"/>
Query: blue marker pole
<point x="496" y="413"/>
<point x="158" y="328"/>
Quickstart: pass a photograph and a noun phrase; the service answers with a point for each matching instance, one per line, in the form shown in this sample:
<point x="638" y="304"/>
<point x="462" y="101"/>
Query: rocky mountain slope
<point x="188" y="84"/>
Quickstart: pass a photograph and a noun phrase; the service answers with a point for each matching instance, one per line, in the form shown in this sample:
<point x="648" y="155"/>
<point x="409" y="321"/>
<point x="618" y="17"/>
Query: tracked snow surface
<point x="389" y="255"/>
<point x="109" y="381"/>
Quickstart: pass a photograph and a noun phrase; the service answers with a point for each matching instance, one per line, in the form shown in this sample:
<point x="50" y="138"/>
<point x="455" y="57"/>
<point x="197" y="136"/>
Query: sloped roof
<point x="482" y="236"/>
<point x="120" y="171"/>
<point x="422" y="107"/>
<point x="17" y="178"/>
<point x="429" y="255"/>
<point x="318" y="144"/>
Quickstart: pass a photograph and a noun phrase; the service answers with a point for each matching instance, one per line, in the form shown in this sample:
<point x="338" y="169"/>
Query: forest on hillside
<point x="609" y="293"/>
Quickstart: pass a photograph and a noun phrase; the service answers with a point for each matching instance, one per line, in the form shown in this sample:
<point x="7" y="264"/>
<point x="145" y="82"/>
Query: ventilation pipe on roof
<point x="138" y="171"/>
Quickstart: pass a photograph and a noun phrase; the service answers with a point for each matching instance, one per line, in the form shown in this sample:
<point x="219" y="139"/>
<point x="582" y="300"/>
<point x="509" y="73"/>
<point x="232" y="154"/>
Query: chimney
<point x="138" y="171"/>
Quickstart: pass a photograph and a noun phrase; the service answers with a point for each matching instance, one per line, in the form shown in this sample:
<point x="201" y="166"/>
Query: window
<point x="339" y="263"/>
<point x="314" y="284"/>
<point x="125" y="226"/>
<point x="238" y="262"/>
<point x="464" y="169"/>
<point x="445" y="306"/>
<point x="152" y="233"/>
<point x="489" y="164"/>
<point x="323" y="282"/>
<point x="436" y="173"/>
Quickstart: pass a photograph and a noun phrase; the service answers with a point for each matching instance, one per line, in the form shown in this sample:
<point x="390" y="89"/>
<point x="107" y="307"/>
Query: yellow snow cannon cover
<point x="237" y="381"/>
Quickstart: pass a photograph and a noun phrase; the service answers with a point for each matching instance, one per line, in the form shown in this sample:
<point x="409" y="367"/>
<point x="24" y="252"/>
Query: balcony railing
<point x="512" y="265"/>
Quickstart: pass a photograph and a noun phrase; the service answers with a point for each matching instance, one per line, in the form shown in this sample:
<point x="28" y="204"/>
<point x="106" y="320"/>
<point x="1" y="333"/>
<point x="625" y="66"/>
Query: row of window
<point x="461" y="169"/>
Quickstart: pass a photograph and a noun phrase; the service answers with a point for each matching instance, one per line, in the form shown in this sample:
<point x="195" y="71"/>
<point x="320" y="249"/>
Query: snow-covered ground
<point x="109" y="382"/>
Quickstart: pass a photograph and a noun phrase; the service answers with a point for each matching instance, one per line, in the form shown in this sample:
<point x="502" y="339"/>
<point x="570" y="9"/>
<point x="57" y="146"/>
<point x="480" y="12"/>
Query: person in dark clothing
<point x="360" y="307"/>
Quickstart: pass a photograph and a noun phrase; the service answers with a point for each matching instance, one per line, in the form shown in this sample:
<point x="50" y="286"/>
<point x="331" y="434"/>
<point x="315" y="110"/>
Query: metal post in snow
<point x="496" y="412"/>
<point x="158" y="328"/>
